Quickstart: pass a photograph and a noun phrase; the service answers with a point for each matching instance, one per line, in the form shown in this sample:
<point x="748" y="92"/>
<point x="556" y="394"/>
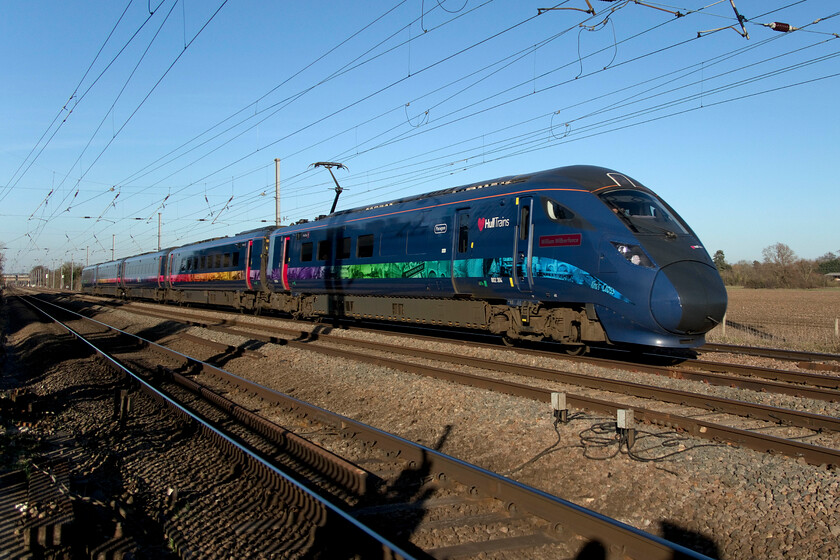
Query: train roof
<point x="583" y="177"/>
<point x="590" y="178"/>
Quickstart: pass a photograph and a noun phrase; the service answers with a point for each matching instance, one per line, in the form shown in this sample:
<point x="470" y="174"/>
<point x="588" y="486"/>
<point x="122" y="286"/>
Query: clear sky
<point x="115" y="112"/>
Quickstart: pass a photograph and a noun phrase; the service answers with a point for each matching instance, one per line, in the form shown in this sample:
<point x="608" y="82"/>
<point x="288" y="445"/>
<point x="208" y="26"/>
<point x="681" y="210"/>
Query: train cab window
<point x="556" y="212"/>
<point x="344" y="248"/>
<point x="306" y="252"/>
<point x="324" y="250"/>
<point x="364" y="246"/>
<point x="236" y="259"/>
<point x="643" y="212"/>
<point x="463" y="232"/>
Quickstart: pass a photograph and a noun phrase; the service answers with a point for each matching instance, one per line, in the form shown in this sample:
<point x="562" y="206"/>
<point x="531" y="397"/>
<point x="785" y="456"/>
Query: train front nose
<point x="688" y="297"/>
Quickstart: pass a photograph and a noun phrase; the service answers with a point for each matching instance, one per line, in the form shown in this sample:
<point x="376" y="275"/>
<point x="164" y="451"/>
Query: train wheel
<point x="508" y="341"/>
<point x="578" y="350"/>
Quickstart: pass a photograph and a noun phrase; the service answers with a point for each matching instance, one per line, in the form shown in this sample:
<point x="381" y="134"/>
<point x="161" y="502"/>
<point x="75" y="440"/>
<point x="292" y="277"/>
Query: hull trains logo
<point x="490" y="223"/>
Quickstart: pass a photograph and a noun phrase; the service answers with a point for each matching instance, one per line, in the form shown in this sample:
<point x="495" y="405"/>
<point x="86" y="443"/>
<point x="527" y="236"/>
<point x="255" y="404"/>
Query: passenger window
<point x="344" y="248"/>
<point x="524" y="222"/>
<point x="324" y="250"/>
<point x="306" y="252"/>
<point x="463" y="232"/>
<point x="226" y="261"/>
<point x="219" y="260"/>
<point x="364" y="246"/>
<point x="236" y="259"/>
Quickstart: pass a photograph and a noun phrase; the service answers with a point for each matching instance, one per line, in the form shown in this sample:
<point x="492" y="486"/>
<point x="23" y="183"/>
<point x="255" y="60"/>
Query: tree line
<point x="68" y="276"/>
<point x="779" y="268"/>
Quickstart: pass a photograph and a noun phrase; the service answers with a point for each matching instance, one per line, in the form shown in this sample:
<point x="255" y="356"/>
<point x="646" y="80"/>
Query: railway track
<point x="746" y="434"/>
<point x="716" y="373"/>
<point x="300" y="512"/>
<point x="776" y="353"/>
<point x="399" y="488"/>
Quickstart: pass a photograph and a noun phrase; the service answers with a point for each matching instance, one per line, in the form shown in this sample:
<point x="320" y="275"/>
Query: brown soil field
<point x="795" y="319"/>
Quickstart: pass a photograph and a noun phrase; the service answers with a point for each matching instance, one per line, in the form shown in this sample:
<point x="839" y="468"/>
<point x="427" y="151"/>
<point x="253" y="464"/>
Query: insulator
<point x="780" y="27"/>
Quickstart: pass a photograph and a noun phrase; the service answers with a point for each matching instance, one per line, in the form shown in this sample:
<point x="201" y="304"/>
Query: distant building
<point x="833" y="276"/>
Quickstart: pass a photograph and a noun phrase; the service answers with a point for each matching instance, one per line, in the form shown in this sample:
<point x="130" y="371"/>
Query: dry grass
<point x="795" y="319"/>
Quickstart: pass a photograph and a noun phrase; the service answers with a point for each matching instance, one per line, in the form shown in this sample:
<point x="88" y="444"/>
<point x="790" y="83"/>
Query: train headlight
<point x="633" y="253"/>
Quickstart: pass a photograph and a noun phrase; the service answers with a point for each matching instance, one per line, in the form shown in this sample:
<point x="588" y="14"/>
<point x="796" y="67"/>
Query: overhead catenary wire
<point x="149" y="93"/>
<point x="522" y="145"/>
<point x="30" y="160"/>
<point x="357" y="59"/>
<point x="141" y="172"/>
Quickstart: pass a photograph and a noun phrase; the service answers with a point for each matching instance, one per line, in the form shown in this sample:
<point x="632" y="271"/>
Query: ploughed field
<point x="793" y="319"/>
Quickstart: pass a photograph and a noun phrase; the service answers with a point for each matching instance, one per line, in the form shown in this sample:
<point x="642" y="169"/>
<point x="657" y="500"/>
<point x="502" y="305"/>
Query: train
<point x="580" y="255"/>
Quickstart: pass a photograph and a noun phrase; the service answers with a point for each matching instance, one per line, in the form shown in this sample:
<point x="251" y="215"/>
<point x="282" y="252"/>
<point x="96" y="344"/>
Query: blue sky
<point x="112" y="115"/>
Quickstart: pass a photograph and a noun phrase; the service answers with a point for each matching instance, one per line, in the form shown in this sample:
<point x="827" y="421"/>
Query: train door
<point x="523" y="247"/>
<point x="284" y="267"/>
<point x="461" y="250"/>
<point x="263" y="256"/>
<point x="169" y="282"/>
<point x="248" y="264"/>
<point x="278" y="259"/>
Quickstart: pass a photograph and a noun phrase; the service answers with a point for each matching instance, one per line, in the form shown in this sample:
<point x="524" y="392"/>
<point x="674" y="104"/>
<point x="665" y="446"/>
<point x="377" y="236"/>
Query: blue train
<point x="581" y="255"/>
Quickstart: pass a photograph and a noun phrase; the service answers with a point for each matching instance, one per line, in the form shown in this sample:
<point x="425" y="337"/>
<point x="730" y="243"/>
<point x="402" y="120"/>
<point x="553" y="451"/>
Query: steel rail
<point x="321" y="511"/>
<point x="812" y="379"/>
<point x="761" y="442"/>
<point x="620" y="538"/>
<point x="686" y="398"/>
<point x="793" y="383"/>
<point x="769" y="352"/>
<point x="612" y="385"/>
<point x="813" y="454"/>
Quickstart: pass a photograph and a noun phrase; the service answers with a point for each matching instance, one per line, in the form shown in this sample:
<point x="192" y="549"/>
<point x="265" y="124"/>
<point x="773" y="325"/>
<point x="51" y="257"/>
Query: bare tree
<point x="781" y="260"/>
<point x="779" y="254"/>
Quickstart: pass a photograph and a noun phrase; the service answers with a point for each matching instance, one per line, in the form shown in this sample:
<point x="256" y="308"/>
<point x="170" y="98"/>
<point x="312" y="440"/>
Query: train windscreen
<point x="643" y="212"/>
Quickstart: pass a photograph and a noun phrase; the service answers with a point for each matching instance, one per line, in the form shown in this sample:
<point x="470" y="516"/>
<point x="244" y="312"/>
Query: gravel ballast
<point x="721" y="500"/>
